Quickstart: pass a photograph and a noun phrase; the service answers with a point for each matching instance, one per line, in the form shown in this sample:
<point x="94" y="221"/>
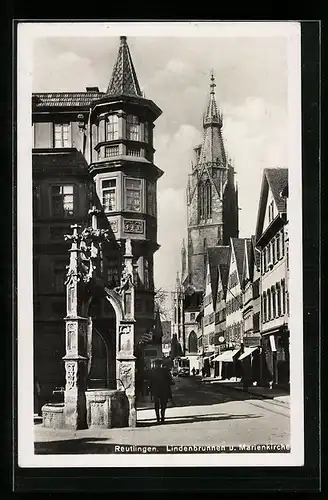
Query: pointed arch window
<point x="192" y="342"/>
<point x="205" y="200"/>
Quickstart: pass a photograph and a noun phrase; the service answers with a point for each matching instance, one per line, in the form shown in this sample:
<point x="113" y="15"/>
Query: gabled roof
<point x="124" y="79"/>
<point x="278" y="181"/>
<point x="275" y="179"/>
<point x="224" y="273"/>
<point x="248" y="260"/>
<point x="65" y="99"/>
<point x="238" y="245"/>
<point x="217" y="256"/>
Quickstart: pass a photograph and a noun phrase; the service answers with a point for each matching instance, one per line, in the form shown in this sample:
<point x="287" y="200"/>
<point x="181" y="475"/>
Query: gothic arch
<point x="192" y="342"/>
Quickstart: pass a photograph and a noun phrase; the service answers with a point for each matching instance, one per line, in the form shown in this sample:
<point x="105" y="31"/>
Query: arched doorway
<point x="102" y="372"/>
<point x="192" y="343"/>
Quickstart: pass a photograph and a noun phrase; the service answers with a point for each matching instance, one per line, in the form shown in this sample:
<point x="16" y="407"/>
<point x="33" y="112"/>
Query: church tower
<point x="125" y="176"/>
<point x="212" y="202"/>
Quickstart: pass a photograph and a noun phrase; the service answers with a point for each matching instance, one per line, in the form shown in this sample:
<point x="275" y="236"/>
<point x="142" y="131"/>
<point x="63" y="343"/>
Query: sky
<point x="251" y="75"/>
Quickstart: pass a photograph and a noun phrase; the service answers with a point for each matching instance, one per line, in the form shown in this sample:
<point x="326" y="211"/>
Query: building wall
<point x="209" y="316"/>
<point x="50" y="258"/>
<point x="275" y="279"/>
<point x="220" y="310"/>
<point x="234" y="311"/>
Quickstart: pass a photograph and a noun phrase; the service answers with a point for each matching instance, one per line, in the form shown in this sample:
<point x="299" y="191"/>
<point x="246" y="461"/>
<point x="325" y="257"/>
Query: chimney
<point x="92" y="89"/>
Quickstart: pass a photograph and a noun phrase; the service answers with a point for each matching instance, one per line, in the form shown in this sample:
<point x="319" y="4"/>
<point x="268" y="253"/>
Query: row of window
<point x="273" y="252"/>
<point x="220" y="316"/>
<point x="63" y="197"/>
<point x="234" y="304"/>
<point x="234" y="333"/>
<point x="133" y="128"/>
<point x="209" y="319"/>
<point x="133" y="195"/>
<point x="62" y="135"/>
<point x="275" y="302"/>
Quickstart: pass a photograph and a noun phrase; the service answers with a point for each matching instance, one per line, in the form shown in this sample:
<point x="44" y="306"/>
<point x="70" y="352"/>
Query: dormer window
<point x="61" y="135"/>
<point x="133" y="128"/>
<point x="112" y="128"/>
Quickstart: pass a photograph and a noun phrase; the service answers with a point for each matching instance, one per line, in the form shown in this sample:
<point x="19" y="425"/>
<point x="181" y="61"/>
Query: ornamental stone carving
<point x="70" y="376"/>
<point x="134" y="226"/>
<point x="114" y="225"/>
<point x="126" y="374"/>
<point x="125" y="337"/>
<point x="71" y="336"/>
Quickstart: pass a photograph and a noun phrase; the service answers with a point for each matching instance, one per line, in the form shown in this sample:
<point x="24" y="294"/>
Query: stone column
<point x="125" y="342"/>
<point x="76" y="345"/>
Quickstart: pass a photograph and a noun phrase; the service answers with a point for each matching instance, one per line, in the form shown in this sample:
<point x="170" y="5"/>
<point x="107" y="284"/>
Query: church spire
<point x="212" y="149"/>
<point x="212" y="116"/>
<point x="124" y="79"/>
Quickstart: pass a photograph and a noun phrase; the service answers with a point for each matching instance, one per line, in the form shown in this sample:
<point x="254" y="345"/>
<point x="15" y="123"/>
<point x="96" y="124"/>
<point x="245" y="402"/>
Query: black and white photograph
<point x="159" y="235"/>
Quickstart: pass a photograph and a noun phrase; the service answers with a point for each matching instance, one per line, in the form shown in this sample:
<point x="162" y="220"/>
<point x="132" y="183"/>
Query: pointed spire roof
<point x="124" y="79"/>
<point x="212" y="149"/>
<point x="212" y="114"/>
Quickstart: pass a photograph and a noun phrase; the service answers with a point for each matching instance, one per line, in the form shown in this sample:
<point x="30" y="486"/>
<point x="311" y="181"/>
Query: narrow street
<point x="202" y="414"/>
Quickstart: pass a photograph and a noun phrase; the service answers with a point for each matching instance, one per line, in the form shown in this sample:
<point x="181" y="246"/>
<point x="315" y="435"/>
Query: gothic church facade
<point x="212" y="216"/>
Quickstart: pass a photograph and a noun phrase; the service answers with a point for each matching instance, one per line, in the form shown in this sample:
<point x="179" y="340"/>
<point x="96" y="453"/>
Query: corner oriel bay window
<point x="112" y="128"/>
<point x="62" y="200"/>
<point x="133" y="188"/>
<point x="108" y="188"/>
<point x="133" y="128"/>
<point x="61" y="135"/>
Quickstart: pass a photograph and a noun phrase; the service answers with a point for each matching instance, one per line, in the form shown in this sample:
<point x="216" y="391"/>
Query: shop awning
<point x="227" y="356"/>
<point x="247" y="352"/>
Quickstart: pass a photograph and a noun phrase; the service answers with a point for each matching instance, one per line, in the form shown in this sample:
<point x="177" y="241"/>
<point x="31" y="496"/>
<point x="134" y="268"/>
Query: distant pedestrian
<point x="193" y="371"/>
<point x="160" y="386"/>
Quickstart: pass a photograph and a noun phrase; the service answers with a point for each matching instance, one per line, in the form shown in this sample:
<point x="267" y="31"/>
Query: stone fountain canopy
<point x="104" y="408"/>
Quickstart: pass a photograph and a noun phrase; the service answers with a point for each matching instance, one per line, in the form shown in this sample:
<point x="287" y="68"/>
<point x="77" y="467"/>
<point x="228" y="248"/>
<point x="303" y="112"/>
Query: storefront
<point x="275" y="358"/>
<point x="227" y="364"/>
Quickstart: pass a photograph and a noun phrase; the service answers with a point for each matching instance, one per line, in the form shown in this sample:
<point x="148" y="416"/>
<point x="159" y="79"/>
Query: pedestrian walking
<point x="193" y="371"/>
<point x="160" y="386"/>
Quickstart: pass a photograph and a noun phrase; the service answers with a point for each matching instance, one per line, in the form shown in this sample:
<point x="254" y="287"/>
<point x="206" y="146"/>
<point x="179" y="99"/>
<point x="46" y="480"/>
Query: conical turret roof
<point x="124" y="79"/>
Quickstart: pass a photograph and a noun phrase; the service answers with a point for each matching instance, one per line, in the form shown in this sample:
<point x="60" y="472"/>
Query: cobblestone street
<point x="202" y="414"/>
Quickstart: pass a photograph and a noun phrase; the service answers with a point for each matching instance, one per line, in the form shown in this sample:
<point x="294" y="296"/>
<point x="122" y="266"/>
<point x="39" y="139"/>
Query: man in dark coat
<point x="160" y="386"/>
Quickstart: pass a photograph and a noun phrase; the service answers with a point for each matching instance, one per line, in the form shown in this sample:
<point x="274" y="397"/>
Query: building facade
<point x="93" y="149"/>
<point x="272" y="241"/>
